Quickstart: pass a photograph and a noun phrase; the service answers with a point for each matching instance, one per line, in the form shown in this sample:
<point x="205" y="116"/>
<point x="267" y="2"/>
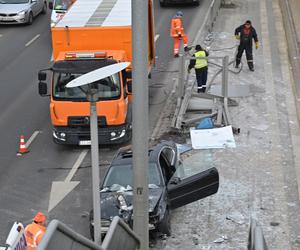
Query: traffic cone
<point x="22" y="148"/>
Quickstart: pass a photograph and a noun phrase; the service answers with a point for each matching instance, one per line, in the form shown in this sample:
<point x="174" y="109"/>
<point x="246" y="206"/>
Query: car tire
<point x="197" y="3"/>
<point x="44" y="10"/>
<point x="164" y="226"/>
<point x="30" y="19"/>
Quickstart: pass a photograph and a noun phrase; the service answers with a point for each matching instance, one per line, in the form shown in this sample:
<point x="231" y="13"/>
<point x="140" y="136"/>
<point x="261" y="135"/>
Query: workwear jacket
<point x="198" y="63"/>
<point x="177" y="29"/>
<point x="34" y="233"/>
<point x="246" y="35"/>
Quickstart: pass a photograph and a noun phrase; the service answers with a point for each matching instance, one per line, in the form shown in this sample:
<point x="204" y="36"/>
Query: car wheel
<point x="30" y="19"/>
<point x="197" y="3"/>
<point x="44" y="10"/>
<point x="164" y="226"/>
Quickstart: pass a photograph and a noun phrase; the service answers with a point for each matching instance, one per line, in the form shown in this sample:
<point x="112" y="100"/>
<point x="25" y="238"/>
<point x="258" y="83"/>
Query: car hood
<point x="13" y="8"/>
<point x="109" y="202"/>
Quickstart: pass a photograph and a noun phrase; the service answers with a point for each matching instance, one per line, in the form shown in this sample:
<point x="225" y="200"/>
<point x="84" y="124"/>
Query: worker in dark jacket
<point x="200" y="66"/>
<point x="245" y="33"/>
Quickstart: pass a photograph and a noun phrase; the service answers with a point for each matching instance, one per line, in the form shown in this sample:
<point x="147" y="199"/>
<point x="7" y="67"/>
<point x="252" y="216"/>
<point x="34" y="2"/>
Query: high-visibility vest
<point x="176" y="27"/>
<point x="34" y="234"/>
<point x="200" y="63"/>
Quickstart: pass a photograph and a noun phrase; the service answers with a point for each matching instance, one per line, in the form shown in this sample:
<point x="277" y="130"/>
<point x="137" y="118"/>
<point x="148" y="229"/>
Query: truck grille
<point x="82" y="121"/>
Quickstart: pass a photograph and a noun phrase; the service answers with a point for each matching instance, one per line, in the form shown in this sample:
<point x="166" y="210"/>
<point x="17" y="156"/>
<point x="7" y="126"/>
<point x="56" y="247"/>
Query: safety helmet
<point x="39" y="218"/>
<point x="179" y="14"/>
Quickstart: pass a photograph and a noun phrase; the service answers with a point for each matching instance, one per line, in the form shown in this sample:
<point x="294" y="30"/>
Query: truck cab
<point x="69" y="107"/>
<point x="59" y="9"/>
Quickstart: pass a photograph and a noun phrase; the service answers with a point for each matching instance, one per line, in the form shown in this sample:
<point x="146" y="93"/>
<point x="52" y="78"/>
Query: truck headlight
<point x="117" y="135"/>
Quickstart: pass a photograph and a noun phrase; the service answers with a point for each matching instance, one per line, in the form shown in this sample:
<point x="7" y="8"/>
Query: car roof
<point x="124" y="155"/>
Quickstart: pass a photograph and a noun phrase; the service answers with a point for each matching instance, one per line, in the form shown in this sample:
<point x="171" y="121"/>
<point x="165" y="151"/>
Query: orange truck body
<point x="74" y="42"/>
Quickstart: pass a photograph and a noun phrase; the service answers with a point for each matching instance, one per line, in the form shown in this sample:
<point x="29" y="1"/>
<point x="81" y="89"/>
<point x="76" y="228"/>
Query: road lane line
<point x="31" y="138"/>
<point x="156" y="37"/>
<point x="32" y="40"/>
<point x="76" y="165"/>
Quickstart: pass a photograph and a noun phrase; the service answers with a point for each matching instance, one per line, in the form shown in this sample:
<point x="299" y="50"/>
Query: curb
<point x="293" y="50"/>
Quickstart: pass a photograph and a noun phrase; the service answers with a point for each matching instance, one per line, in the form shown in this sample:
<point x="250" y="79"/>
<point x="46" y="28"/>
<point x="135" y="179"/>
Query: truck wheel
<point x="164" y="226"/>
<point x="128" y="136"/>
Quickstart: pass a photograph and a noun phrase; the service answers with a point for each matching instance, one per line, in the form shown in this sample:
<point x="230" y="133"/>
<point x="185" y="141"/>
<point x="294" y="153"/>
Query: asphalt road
<point x="25" y="182"/>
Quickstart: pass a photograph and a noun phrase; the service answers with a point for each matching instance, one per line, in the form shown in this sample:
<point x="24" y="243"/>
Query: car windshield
<point x="107" y="88"/>
<point x="13" y="1"/>
<point x="122" y="175"/>
<point x="62" y="4"/>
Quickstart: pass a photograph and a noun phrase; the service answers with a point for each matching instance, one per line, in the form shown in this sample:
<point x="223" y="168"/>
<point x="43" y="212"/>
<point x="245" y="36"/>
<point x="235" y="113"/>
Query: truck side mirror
<point x="50" y="4"/>
<point x="42" y="76"/>
<point x="129" y="86"/>
<point x="43" y="88"/>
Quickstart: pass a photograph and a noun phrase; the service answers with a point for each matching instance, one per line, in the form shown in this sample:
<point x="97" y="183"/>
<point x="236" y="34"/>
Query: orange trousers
<point x="177" y="43"/>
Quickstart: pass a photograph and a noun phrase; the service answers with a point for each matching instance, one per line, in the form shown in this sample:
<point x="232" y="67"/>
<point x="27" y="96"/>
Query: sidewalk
<point x="258" y="178"/>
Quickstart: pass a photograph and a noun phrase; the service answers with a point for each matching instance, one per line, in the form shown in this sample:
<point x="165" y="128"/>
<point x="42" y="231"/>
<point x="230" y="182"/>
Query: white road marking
<point x="31" y="138"/>
<point x="32" y="40"/>
<point x="60" y="189"/>
<point x="76" y="165"/>
<point x="1" y="35"/>
<point x="156" y="37"/>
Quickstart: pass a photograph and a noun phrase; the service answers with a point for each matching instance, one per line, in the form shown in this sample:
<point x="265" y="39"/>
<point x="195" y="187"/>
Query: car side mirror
<point x="43" y="88"/>
<point x="50" y="4"/>
<point x="42" y="76"/>
<point x="129" y="86"/>
<point x="175" y="180"/>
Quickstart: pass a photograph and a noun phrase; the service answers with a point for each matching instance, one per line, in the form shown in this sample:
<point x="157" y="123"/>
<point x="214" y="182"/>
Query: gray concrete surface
<point x="260" y="177"/>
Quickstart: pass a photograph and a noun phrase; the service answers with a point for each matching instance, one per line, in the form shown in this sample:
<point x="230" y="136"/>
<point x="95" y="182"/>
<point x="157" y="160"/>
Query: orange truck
<point x="88" y="37"/>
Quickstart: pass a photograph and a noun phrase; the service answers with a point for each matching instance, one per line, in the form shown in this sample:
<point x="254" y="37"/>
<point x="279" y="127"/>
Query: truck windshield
<point x="62" y="4"/>
<point x="108" y="88"/>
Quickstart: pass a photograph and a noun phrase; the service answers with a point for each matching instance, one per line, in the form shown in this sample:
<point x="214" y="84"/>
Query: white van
<point x="59" y="9"/>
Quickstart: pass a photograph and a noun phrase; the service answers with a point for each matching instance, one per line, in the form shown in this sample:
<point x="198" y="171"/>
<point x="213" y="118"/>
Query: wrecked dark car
<point x="170" y="187"/>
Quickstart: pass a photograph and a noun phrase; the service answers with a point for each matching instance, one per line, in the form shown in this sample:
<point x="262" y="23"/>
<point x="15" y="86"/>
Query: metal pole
<point x="225" y="77"/>
<point x="140" y="119"/>
<point x="181" y="77"/>
<point x="95" y="166"/>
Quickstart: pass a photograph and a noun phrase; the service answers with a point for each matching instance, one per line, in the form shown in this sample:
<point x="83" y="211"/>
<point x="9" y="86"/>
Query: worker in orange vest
<point x="35" y="231"/>
<point x="177" y="32"/>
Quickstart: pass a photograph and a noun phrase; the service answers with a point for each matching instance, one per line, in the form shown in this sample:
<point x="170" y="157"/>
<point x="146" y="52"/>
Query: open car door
<point x="183" y="189"/>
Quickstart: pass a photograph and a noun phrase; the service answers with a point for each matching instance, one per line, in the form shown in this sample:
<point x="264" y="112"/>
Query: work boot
<point x="237" y="62"/>
<point x="187" y="48"/>
<point x="251" y="66"/>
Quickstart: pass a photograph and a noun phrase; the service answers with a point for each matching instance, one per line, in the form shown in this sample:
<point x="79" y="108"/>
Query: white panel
<point x="120" y="14"/>
<point x="79" y="14"/>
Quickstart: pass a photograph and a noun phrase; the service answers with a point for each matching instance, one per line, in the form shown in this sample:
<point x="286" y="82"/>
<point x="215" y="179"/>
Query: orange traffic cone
<point x="22" y="148"/>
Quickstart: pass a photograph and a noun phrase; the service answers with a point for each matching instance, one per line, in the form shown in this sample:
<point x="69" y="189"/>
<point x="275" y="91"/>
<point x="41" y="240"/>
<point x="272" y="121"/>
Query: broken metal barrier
<point x="60" y="236"/>
<point x="256" y="240"/>
<point x="192" y="107"/>
<point x="209" y="20"/>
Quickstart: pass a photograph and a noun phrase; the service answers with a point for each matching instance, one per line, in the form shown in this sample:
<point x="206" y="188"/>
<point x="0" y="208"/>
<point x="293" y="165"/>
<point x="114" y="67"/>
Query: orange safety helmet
<point x="39" y="218"/>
